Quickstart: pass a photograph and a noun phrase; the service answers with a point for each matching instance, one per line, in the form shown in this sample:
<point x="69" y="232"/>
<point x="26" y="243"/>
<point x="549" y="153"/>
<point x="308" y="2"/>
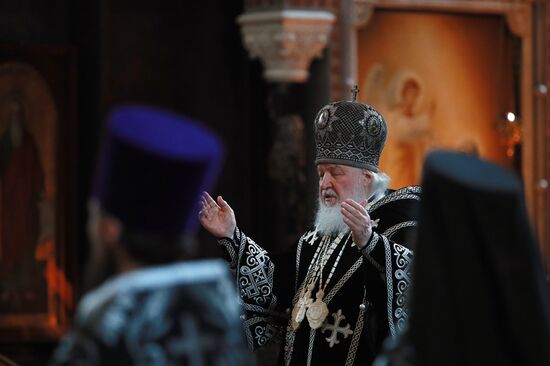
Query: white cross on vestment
<point x="193" y="344"/>
<point x="336" y="328"/>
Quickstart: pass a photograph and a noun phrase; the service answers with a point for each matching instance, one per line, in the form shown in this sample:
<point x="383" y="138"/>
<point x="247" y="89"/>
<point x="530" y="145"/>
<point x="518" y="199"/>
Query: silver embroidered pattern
<point x="291" y="335"/>
<point x="289" y="344"/>
<point x="343" y="280"/>
<point x="414" y="189"/>
<point x="249" y="324"/>
<point x="373" y="242"/>
<point x="403" y="257"/>
<point x="410" y="192"/>
<point x="403" y="276"/>
<point x="298" y="252"/>
<point x="310" y="348"/>
<point x="333" y="292"/>
<point x="392" y="230"/>
<point x="230" y="245"/>
<point x="310" y="236"/>
<point x="389" y="284"/>
<point x="307" y="276"/>
<point x="263" y="333"/>
<point x="357" y="333"/>
<point x="318" y="310"/>
<point x="227" y="244"/>
<point x="255" y="284"/>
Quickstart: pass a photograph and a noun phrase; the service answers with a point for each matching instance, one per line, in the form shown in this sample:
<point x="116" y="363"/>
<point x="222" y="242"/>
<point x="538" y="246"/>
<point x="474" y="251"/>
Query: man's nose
<point x="326" y="181"/>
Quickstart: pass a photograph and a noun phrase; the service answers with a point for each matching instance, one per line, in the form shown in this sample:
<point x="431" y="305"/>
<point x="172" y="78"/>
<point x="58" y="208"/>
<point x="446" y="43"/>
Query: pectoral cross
<point x="354" y="92"/>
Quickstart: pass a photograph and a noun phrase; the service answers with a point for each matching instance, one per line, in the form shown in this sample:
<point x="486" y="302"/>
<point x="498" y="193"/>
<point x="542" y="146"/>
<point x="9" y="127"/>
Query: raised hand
<point x="218" y="217"/>
<point x="358" y="220"/>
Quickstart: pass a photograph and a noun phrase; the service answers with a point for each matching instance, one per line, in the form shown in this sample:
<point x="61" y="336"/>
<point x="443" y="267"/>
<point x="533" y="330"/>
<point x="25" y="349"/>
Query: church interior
<point x="470" y="76"/>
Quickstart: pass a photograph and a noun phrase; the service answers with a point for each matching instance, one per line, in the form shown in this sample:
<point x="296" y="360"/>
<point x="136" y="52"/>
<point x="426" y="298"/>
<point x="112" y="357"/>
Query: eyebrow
<point x="331" y="168"/>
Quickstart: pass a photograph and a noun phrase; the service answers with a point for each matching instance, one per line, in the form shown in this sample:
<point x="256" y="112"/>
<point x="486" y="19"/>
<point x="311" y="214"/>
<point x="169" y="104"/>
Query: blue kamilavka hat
<point x="152" y="166"/>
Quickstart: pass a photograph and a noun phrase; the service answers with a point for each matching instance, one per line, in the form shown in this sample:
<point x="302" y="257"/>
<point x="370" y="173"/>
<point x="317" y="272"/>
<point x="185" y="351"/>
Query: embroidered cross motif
<point x="336" y="328"/>
<point x="363" y="122"/>
<point x="310" y="236"/>
<point x="194" y="344"/>
<point x="254" y="282"/>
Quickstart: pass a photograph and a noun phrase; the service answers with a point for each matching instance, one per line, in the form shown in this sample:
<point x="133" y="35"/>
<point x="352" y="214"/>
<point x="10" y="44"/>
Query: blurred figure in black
<point x="153" y="309"/>
<point x="479" y="296"/>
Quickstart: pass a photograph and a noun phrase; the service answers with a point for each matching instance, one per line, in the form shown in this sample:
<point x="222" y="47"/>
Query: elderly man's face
<point x="340" y="182"/>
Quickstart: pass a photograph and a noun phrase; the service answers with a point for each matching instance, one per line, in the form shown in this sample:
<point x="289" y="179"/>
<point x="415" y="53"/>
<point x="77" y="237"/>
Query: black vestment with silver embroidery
<point x="178" y="314"/>
<point x="366" y="296"/>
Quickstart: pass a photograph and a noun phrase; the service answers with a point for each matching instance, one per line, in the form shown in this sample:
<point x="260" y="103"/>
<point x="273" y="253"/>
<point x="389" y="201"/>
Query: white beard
<point x="329" y="219"/>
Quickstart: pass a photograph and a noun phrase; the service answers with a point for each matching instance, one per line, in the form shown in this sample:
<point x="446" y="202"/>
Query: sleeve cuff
<point x="371" y="243"/>
<point x="231" y="245"/>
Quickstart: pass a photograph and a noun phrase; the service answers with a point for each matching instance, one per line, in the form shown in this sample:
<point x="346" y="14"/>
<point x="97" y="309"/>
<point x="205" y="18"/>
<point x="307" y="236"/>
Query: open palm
<point x="217" y="217"/>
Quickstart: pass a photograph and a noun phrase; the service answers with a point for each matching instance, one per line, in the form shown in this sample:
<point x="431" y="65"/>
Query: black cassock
<point x="479" y="296"/>
<point x="180" y="314"/>
<point x="366" y="294"/>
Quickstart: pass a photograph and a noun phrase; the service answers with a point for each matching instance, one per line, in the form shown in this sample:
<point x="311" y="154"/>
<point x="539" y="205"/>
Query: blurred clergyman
<point x="479" y="294"/>
<point x="153" y="309"/>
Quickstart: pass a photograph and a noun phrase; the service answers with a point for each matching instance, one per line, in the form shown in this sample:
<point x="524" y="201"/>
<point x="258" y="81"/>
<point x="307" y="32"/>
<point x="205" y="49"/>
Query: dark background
<point x="186" y="56"/>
